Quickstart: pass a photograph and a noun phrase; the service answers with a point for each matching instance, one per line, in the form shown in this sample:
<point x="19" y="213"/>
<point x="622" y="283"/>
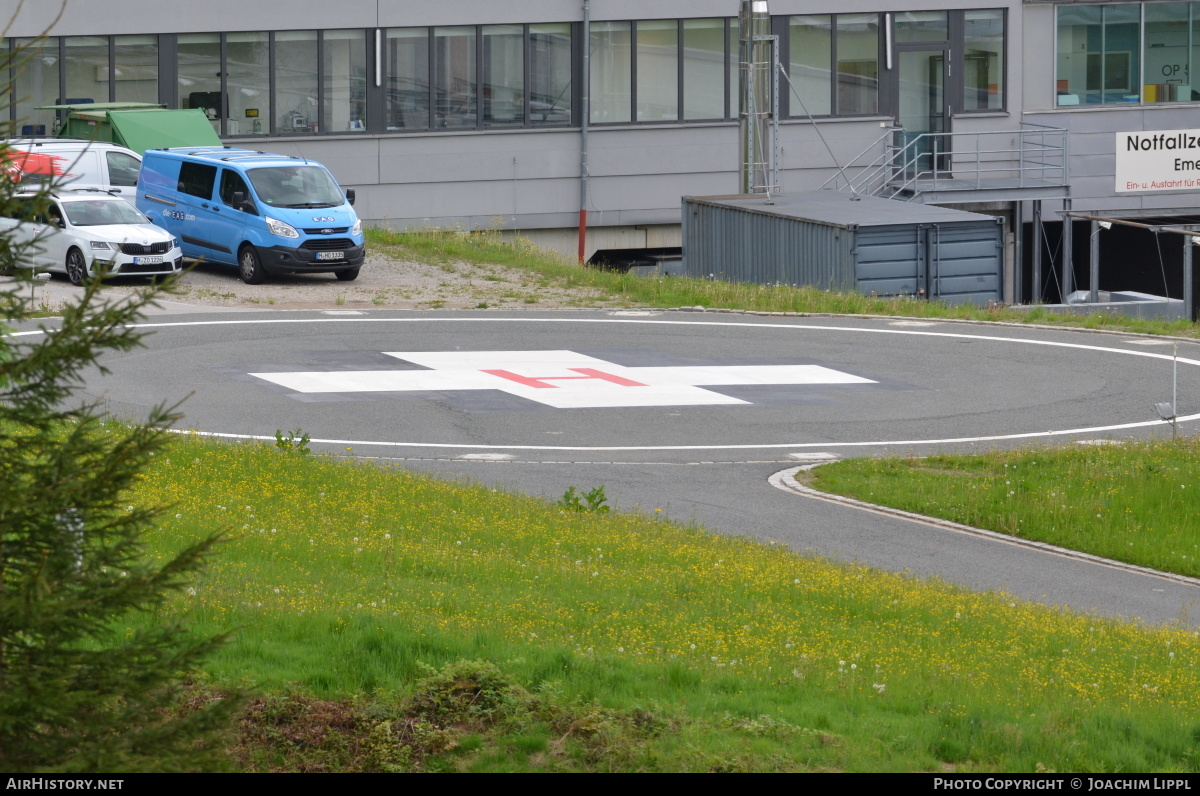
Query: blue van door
<point x="227" y="220"/>
<point x="203" y="230"/>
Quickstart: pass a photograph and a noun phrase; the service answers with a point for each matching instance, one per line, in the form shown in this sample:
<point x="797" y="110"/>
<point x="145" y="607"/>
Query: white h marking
<point x="562" y="379"/>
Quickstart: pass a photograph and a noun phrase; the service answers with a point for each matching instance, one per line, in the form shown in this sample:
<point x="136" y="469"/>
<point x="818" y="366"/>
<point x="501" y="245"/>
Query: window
<point x="344" y="81"/>
<point x="1098" y="54"/>
<point x="983" y="60"/>
<point x="407" y="88"/>
<point x="197" y="179"/>
<point x="810" y="44"/>
<point x="1170" y="51"/>
<point x="834" y="60"/>
<point x="35" y="83"/>
<point x="295" y="80"/>
<point x="122" y="169"/>
<point x="703" y="69"/>
<point x="135" y="68"/>
<point x="612" y="71"/>
<point x="921" y="26"/>
<point x="86" y="69"/>
<point x="658" y="70"/>
<point x="503" y="76"/>
<point x="550" y="74"/>
<point x="199" y="74"/>
<point x="454" y="77"/>
<point x="822" y="46"/>
<point x="857" y="54"/>
<point x="232" y="183"/>
<point x="247" y="83"/>
<point x="644" y="63"/>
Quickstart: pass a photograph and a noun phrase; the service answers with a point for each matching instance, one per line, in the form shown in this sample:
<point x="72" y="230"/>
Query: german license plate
<point x="331" y="255"/>
<point x="147" y="260"/>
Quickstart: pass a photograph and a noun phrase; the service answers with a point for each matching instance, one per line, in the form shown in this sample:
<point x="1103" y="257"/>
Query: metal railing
<point x="910" y="164"/>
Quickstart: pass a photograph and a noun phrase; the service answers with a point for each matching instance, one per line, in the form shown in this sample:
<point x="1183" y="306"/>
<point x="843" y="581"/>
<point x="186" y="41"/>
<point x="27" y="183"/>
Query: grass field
<point x="1136" y="502"/>
<point x="427" y="625"/>
<point x="442" y="246"/>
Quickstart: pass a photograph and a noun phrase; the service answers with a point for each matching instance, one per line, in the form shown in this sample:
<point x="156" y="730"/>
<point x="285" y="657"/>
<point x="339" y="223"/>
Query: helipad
<point x="665" y="386"/>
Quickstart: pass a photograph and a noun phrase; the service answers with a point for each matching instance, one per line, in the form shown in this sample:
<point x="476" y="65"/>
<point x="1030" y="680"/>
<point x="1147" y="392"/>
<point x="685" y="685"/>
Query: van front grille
<point x="326" y="231"/>
<point x="327" y="244"/>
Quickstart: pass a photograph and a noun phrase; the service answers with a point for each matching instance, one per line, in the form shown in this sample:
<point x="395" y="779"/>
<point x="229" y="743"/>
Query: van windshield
<point x="296" y="186"/>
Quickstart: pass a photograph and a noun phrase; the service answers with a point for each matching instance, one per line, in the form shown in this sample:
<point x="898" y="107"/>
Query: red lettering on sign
<point x="540" y="381"/>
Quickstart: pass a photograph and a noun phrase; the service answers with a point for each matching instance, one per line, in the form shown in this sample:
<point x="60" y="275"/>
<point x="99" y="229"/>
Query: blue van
<point x="264" y="213"/>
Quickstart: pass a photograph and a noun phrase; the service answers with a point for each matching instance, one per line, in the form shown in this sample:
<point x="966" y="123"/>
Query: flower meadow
<point x="1137" y="501"/>
<point x="345" y="577"/>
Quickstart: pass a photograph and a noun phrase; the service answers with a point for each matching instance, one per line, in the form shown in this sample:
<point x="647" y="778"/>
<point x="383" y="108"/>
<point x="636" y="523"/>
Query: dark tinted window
<point x="231" y="183"/>
<point x="197" y="179"/>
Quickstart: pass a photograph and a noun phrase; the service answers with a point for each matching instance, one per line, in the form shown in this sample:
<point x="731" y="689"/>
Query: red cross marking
<point x="540" y="381"/>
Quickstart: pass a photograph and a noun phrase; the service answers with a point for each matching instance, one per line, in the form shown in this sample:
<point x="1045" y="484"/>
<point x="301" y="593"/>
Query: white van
<point x="73" y="164"/>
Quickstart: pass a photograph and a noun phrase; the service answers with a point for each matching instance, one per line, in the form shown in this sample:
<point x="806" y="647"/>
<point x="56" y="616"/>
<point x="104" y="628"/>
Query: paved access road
<point x="687" y="412"/>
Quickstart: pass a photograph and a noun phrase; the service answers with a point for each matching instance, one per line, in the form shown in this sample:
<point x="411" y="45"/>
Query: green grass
<point x="1135" y="502"/>
<point x="622" y="642"/>
<point x="446" y="247"/>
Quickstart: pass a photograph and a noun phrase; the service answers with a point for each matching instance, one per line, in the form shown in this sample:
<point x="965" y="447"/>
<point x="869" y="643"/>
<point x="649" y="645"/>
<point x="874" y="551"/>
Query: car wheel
<point x="250" y="267"/>
<point x="76" y="267"/>
<point x="349" y="275"/>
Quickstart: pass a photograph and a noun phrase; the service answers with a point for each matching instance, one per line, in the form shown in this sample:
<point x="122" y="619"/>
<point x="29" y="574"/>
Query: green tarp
<point x="155" y="129"/>
<point x="138" y="126"/>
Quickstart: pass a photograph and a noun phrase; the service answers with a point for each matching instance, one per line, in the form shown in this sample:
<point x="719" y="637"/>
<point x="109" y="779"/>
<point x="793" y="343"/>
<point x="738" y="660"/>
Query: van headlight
<point x="281" y="229"/>
<point x="357" y="229"/>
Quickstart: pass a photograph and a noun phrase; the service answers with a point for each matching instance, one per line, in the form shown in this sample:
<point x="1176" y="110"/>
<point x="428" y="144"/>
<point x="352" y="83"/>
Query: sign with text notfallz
<point x="1158" y="160"/>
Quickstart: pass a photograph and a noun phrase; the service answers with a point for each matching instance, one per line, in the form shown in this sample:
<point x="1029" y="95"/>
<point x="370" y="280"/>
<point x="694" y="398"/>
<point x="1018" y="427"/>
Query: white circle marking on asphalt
<point x="788" y="327"/>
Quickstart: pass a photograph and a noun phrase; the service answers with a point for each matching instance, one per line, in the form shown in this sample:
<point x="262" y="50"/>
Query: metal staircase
<point x="1029" y="163"/>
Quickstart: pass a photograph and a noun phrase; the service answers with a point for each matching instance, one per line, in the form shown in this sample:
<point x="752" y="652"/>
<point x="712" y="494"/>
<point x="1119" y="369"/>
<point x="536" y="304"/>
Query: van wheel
<point x="250" y="267"/>
<point x="76" y="267"/>
<point x="349" y="275"/>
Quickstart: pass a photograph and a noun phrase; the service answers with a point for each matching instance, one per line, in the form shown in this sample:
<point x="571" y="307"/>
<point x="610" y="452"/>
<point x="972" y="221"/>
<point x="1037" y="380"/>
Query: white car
<point x="88" y="234"/>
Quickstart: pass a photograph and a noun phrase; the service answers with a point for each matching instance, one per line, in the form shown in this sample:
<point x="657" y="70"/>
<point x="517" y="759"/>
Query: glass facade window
<point x="199" y="74"/>
<point x="833" y="64"/>
<point x="857" y="64"/>
<point x="344" y="81"/>
<point x="135" y="68"/>
<point x="503" y="75"/>
<point x="550" y="68"/>
<point x="703" y="69"/>
<point x="735" y="68"/>
<point x="406" y="100"/>
<point x="611" y="57"/>
<point x="1099" y="49"/>
<point x="983" y="60"/>
<point x="454" y="102"/>
<point x="919" y="26"/>
<point x="463" y="77"/>
<point x="658" y="70"/>
<point x="295" y="81"/>
<point x="1170" y="51"/>
<point x="35" y="82"/>
<point x="85" y="69"/>
<point x="810" y="44"/>
<point x="247" y="83"/>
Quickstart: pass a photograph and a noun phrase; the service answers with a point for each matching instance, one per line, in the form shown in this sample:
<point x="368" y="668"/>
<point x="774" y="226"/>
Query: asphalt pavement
<point x="691" y="413"/>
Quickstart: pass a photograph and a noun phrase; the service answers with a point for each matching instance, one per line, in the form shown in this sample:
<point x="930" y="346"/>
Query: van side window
<point x="122" y="169"/>
<point x="231" y="183"/>
<point x="197" y="179"/>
